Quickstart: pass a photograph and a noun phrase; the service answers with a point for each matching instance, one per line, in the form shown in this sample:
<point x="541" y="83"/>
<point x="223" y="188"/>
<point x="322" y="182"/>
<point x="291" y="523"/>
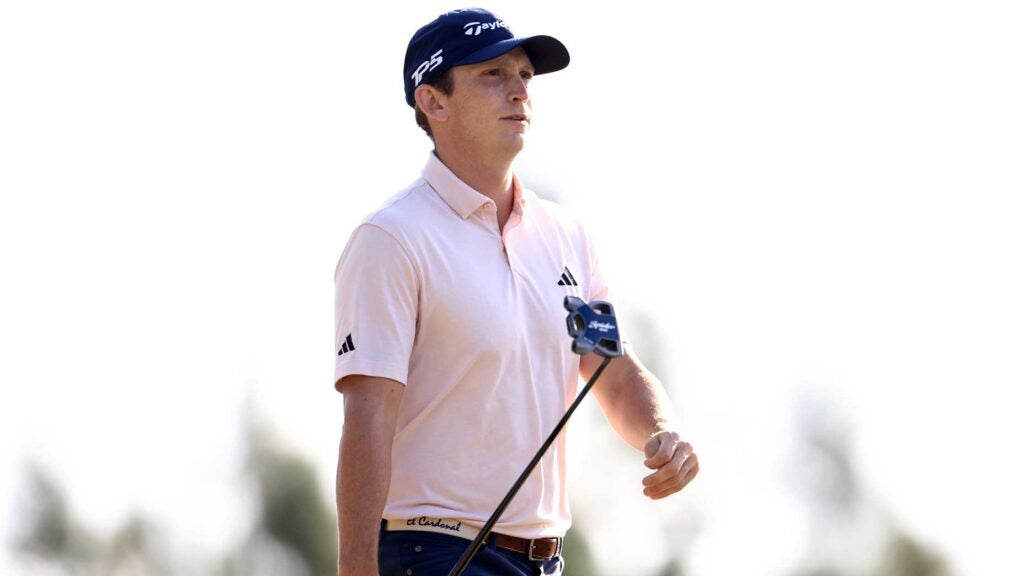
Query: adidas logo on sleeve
<point x="347" y="346"/>
<point x="567" y="278"/>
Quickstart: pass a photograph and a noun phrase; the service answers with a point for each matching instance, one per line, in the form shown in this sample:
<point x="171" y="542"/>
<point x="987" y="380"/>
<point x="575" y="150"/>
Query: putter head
<point x="593" y="327"/>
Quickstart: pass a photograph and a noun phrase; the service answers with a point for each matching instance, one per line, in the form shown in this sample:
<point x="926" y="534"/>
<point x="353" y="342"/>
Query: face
<point x="490" y="109"/>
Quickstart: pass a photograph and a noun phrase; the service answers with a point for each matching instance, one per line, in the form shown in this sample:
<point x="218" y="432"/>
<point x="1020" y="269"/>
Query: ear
<point x="432" y="102"/>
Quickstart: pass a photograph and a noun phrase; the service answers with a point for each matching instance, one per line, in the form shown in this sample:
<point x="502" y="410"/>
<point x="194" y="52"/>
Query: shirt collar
<point x="462" y="198"/>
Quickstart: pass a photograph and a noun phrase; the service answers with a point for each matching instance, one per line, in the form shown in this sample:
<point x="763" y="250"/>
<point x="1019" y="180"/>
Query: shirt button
<point x="418" y="548"/>
<point x="409" y="571"/>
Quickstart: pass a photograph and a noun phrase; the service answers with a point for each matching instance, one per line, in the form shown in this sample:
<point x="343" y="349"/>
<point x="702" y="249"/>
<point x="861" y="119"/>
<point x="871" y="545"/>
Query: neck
<point x="487" y="176"/>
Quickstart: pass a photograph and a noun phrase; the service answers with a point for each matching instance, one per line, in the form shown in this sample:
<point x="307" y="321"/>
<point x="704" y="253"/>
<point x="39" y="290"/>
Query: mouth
<point x="518" y="118"/>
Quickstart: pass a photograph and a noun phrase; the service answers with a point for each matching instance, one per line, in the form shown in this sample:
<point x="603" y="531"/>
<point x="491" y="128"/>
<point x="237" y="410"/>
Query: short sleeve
<point x="599" y="286"/>
<point x="375" y="307"/>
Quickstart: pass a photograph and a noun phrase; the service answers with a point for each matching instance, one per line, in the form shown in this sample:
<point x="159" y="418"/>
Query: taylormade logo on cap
<point x="469" y="36"/>
<point x="474" y="28"/>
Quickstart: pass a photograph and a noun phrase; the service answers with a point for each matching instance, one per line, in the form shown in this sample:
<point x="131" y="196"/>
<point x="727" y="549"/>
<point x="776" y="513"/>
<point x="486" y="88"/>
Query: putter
<point x="593" y="328"/>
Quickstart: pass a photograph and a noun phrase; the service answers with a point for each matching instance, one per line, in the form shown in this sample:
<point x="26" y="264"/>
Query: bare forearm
<point x="364" y="472"/>
<point x="364" y="469"/>
<point x="638" y="408"/>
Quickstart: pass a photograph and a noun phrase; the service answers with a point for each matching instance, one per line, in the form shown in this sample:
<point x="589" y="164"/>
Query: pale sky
<point x="816" y="198"/>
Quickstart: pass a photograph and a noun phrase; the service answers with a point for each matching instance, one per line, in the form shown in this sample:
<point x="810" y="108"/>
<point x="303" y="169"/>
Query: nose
<point x="519" y="90"/>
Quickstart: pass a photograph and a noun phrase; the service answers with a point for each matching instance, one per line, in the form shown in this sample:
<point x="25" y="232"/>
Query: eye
<point x="526" y="75"/>
<point x="493" y="72"/>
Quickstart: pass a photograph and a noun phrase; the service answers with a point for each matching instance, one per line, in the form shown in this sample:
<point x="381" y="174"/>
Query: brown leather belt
<point x="536" y="549"/>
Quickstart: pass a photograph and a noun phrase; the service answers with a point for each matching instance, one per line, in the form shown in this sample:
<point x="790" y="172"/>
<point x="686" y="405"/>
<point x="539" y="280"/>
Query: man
<point x="453" y="356"/>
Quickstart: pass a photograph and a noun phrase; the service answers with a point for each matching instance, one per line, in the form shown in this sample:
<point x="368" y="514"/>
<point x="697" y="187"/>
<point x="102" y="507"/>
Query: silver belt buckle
<point x="532" y="558"/>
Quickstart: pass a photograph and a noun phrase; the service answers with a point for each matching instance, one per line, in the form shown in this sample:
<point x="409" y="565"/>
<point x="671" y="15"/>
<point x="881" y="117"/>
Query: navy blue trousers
<point x="409" y="553"/>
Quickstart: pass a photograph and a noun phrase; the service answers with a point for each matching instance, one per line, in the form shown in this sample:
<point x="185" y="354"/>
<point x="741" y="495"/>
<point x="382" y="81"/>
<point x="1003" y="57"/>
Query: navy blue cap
<point x="469" y="36"/>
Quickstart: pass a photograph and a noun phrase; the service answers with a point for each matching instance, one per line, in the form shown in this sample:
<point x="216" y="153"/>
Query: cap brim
<point x="547" y="54"/>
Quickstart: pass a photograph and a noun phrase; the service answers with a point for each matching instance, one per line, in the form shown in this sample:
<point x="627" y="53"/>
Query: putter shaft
<point x="486" y="530"/>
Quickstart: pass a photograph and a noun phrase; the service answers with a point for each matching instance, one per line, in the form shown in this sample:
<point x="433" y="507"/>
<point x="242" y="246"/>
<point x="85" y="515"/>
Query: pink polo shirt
<point x="470" y="320"/>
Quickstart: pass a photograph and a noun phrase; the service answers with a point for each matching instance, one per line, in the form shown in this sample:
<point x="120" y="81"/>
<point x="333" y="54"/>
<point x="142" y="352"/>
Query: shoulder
<point x="401" y="225"/>
<point x="571" y="231"/>
<point x="384" y="230"/>
<point x="555" y="215"/>
<point x="403" y="209"/>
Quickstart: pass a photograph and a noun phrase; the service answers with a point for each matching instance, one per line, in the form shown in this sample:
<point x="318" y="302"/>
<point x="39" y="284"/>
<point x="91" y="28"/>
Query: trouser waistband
<point x="533" y="548"/>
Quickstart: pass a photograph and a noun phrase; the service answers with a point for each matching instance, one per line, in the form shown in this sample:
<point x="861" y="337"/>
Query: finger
<point x="675" y="485"/>
<point x="660" y="449"/>
<point x="670" y="468"/>
<point x="686" y="474"/>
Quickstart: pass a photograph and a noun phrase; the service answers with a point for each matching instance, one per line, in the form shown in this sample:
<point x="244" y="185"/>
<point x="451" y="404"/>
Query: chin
<point x="517" y="142"/>
<point x="509" y="146"/>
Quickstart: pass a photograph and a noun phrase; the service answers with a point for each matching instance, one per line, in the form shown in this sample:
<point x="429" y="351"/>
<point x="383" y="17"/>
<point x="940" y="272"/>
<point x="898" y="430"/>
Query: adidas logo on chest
<point x="567" y="278"/>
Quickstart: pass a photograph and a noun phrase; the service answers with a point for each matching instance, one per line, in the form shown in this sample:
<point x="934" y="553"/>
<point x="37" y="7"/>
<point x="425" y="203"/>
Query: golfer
<point x="452" y="350"/>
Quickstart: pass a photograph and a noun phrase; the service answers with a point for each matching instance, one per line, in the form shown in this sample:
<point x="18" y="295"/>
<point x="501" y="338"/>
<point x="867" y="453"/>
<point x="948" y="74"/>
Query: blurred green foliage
<point x="842" y="511"/>
<point x="292" y="510"/>
<point x="54" y="540"/>
<point x="50" y="529"/>
<point x="579" y="560"/>
<point x="294" y="523"/>
<point x="905" y="556"/>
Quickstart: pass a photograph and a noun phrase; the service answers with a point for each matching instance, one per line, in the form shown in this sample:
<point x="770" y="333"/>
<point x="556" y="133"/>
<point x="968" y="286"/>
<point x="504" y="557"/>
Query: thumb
<point x="651" y="450"/>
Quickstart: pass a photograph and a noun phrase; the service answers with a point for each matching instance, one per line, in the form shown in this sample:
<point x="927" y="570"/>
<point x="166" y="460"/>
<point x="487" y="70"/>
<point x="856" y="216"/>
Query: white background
<point x="816" y="198"/>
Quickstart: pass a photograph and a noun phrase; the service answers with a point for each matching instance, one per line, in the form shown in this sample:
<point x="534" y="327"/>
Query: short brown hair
<point x="446" y="84"/>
